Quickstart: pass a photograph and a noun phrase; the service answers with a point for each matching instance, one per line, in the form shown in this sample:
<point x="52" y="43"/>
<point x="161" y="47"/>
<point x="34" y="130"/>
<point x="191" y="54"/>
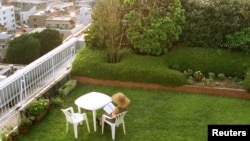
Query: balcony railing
<point x="29" y="82"/>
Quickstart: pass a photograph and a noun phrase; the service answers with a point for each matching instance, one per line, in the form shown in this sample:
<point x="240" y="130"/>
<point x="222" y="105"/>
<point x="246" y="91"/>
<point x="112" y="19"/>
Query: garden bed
<point x="220" y="91"/>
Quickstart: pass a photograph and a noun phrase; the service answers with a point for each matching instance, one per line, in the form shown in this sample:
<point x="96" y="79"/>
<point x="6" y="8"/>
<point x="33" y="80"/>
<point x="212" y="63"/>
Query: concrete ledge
<point x="227" y="92"/>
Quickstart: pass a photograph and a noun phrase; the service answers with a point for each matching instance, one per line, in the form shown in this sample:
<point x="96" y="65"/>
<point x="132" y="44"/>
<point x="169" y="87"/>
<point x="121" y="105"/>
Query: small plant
<point x="26" y="121"/>
<point x="198" y="75"/>
<point x="67" y="84"/>
<point x="4" y="137"/>
<point x="37" y="107"/>
<point x="221" y="76"/>
<point x="67" y="87"/>
<point x="15" y="132"/>
<point x="211" y="75"/>
<point x="188" y="73"/>
<point x="57" y="101"/>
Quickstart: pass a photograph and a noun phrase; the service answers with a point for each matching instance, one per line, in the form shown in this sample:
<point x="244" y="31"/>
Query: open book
<point x="109" y="108"/>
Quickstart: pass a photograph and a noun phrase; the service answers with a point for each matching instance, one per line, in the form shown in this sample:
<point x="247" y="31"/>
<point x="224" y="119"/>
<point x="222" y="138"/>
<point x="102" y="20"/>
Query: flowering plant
<point x="188" y="72"/>
<point x="198" y="75"/>
<point x="26" y="121"/>
<point x="38" y="106"/>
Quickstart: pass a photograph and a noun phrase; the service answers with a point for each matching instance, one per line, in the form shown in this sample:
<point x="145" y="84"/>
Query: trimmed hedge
<point x="246" y="83"/>
<point x="147" y="69"/>
<point x="164" y="70"/>
<point x="233" y="64"/>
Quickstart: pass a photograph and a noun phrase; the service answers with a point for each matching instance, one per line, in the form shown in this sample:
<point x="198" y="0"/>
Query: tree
<point x="23" y="50"/>
<point x="149" y="27"/>
<point x="209" y="22"/>
<point x="49" y="39"/>
<point x="106" y="30"/>
<point x="154" y="25"/>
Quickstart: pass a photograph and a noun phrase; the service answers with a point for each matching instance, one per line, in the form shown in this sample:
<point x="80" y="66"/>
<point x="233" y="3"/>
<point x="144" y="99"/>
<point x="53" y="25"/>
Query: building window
<point x="34" y="19"/>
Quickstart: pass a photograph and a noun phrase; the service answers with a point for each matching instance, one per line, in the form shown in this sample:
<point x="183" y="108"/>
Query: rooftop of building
<point x="5" y="35"/>
<point x="44" y="12"/>
<point x="27" y="1"/>
<point x="60" y="18"/>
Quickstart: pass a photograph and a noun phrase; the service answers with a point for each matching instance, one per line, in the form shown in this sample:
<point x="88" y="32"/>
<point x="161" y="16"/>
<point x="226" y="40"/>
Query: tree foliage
<point x="106" y="29"/>
<point x="149" y="27"/>
<point x="49" y="39"/>
<point x="154" y="25"/>
<point x="239" y="40"/>
<point x="23" y="50"/>
<point x="209" y="22"/>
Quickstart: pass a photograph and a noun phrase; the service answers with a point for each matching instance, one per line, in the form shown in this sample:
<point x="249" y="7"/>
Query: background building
<point x="4" y="41"/>
<point x="7" y="18"/>
<point x="40" y="4"/>
<point x="63" y="23"/>
<point x="22" y="14"/>
<point x="38" y="19"/>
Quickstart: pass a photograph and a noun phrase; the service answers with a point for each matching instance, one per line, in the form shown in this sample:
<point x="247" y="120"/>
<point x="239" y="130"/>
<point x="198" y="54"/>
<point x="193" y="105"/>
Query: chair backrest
<point x="68" y="113"/>
<point x="120" y="117"/>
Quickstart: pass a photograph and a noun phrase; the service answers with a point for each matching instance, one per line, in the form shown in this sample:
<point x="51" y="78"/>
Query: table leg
<point x="79" y="110"/>
<point x="94" y="119"/>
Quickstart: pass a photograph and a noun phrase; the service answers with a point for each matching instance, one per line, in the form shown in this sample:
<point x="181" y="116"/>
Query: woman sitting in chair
<point x="122" y="103"/>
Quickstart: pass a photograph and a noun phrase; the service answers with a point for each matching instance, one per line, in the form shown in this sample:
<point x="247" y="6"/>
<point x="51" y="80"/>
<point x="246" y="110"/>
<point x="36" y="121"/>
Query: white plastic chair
<point x="75" y="119"/>
<point x="119" y="119"/>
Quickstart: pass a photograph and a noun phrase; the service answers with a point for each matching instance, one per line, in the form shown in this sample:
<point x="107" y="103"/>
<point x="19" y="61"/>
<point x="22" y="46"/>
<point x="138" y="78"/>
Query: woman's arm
<point x="115" y="112"/>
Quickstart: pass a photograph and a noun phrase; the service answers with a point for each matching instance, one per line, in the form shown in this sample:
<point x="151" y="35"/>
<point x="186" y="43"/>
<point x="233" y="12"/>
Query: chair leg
<point x="67" y="127"/>
<point x="102" y="125"/>
<point x="124" y="130"/>
<point x="75" y="130"/>
<point x="87" y="123"/>
<point x="113" y="131"/>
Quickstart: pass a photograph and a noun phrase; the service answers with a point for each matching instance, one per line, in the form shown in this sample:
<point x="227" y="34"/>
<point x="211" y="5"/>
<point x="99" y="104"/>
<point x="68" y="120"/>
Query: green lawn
<point x="153" y="115"/>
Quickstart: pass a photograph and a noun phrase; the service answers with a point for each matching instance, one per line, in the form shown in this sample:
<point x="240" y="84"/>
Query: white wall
<point x="8" y="17"/>
<point x="85" y="16"/>
<point x="24" y="16"/>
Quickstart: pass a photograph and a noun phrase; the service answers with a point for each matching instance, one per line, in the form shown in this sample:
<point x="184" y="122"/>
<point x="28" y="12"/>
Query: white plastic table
<point x="92" y="101"/>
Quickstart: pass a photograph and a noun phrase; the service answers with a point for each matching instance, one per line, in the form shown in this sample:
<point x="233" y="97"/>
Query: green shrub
<point x="23" y="50"/>
<point x="221" y="76"/>
<point x="208" y="23"/>
<point x="211" y="75"/>
<point x="239" y="40"/>
<point x="233" y="64"/>
<point x="158" y="70"/>
<point x="188" y="73"/>
<point x="148" y="69"/>
<point x="198" y="75"/>
<point x="246" y="82"/>
<point x="38" y="106"/>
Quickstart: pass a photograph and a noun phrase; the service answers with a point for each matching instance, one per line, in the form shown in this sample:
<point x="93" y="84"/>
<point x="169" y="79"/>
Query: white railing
<point x="29" y="82"/>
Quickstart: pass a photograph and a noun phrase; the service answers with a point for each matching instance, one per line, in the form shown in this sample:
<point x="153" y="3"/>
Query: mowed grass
<point x="153" y="115"/>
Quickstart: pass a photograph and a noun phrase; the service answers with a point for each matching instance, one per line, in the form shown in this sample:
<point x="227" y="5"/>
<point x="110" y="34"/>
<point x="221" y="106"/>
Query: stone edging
<point x="236" y="93"/>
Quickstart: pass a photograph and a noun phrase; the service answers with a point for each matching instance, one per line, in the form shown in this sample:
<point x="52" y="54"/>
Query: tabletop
<point x="93" y="100"/>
